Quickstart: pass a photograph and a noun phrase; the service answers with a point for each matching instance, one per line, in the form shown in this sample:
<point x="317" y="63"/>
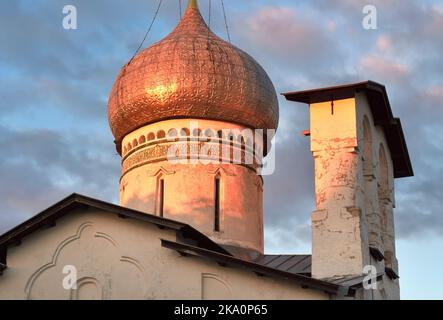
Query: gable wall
<point x="123" y="259"/>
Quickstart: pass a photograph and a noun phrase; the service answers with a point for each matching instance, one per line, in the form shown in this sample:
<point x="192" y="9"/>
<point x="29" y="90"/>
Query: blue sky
<point x="54" y="85"/>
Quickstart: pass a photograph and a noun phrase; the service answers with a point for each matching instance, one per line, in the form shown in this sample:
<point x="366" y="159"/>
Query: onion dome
<point x="191" y="73"/>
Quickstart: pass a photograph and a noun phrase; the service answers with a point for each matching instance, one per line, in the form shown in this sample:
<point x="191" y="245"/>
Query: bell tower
<point x="358" y="149"/>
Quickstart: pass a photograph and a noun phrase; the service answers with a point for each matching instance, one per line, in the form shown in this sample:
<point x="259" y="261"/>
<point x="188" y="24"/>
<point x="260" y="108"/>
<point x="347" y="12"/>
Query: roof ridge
<point x="62" y="207"/>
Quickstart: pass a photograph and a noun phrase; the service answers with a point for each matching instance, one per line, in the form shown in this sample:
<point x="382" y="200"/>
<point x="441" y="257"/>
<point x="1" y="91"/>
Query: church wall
<point x="189" y="184"/>
<point x="119" y="258"/>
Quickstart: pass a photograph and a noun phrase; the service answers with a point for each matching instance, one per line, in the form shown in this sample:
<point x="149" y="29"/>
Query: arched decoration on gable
<point x="88" y="288"/>
<point x="215" y="288"/>
<point x="92" y="283"/>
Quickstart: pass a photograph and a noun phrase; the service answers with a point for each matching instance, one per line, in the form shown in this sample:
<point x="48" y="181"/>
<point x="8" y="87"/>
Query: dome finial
<point x="193" y="4"/>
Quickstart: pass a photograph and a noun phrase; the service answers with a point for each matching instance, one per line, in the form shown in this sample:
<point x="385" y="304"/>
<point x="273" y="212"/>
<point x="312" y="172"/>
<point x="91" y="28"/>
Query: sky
<point x="54" y="86"/>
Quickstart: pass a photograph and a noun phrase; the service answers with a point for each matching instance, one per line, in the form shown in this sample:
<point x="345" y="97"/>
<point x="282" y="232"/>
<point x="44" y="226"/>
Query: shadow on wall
<point x="142" y="203"/>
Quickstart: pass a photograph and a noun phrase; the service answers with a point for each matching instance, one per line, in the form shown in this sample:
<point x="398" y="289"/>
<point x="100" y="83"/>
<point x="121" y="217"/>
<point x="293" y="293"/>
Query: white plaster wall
<point x="339" y="237"/>
<point x="123" y="259"/>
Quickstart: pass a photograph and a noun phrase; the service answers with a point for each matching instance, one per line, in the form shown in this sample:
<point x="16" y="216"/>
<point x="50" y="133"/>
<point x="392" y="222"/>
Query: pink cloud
<point x="269" y="24"/>
<point x="381" y="67"/>
<point x="435" y="91"/>
<point x="332" y="26"/>
<point x="283" y="26"/>
<point x="384" y="44"/>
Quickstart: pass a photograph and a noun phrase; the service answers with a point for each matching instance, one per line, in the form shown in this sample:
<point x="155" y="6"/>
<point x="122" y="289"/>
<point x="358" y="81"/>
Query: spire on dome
<point x="192" y="22"/>
<point x="193" y="4"/>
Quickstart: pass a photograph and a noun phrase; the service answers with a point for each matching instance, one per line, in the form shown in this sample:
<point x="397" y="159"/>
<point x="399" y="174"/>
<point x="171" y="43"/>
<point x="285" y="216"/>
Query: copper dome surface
<point x="192" y="73"/>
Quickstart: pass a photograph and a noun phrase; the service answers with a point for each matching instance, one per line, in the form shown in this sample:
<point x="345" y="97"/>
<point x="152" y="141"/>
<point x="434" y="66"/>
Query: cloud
<point x="289" y="192"/>
<point x="379" y="67"/>
<point x="404" y="54"/>
<point x="293" y="50"/>
<point x="436" y="92"/>
<point x="72" y="71"/>
<point x="384" y="44"/>
<point x="54" y="85"/>
<point x="40" y="167"/>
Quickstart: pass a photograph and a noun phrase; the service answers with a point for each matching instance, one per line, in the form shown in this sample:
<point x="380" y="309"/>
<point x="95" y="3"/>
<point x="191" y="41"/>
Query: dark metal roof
<point x="259" y="269"/>
<point x="300" y="264"/>
<point x="352" y="282"/>
<point x="381" y="111"/>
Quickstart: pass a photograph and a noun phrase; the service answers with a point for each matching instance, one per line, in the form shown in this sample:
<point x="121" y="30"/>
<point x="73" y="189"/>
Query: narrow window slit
<point x="161" y="197"/>
<point x="217" y="205"/>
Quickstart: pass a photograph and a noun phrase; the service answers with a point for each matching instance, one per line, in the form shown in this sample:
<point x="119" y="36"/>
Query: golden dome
<point x="192" y="73"/>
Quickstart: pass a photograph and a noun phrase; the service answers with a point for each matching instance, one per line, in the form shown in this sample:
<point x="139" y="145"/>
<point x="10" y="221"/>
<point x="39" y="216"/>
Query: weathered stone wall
<point x="339" y="233"/>
<point x="354" y="187"/>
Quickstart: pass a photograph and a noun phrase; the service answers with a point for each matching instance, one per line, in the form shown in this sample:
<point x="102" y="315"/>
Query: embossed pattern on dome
<point x="192" y="73"/>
